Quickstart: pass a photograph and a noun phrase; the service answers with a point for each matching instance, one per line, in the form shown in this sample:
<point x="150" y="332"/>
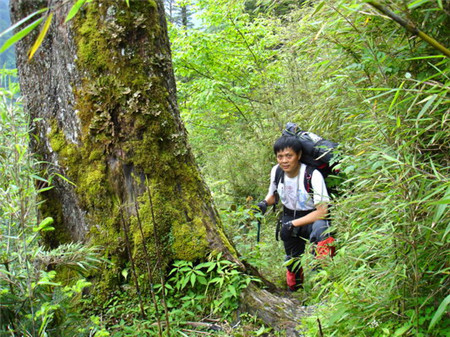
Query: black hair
<point x="285" y="142"/>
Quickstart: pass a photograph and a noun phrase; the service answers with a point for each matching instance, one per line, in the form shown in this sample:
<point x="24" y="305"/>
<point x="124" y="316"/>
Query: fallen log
<point x="278" y="310"/>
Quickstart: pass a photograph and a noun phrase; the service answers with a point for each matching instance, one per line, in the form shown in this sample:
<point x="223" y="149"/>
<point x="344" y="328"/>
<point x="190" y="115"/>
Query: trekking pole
<point x="258" y="231"/>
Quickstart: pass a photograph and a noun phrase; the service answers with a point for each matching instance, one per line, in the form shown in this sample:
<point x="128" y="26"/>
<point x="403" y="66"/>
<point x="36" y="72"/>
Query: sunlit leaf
<point x="65" y="179"/>
<point x="74" y="10"/>
<point x="440" y="208"/>
<point x="20" y="35"/>
<point x="439" y="312"/>
<point x="41" y="36"/>
<point x="417" y="3"/>
<point x="18" y="23"/>
<point x="45" y="225"/>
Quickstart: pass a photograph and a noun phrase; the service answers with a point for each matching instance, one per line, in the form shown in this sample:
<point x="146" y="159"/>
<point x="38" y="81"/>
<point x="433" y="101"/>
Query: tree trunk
<point x="184" y="16"/>
<point x="101" y="95"/>
<point x="100" y="92"/>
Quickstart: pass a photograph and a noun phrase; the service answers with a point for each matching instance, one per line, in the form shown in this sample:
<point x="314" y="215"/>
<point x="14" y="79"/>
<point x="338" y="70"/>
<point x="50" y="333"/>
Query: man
<point x="304" y="213"/>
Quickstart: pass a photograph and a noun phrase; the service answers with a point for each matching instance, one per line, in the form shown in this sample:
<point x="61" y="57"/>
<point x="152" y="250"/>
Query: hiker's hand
<point x="286" y="230"/>
<point x="261" y="207"/>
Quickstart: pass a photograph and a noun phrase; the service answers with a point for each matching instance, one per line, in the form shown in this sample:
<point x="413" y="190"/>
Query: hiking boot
<point x="294" y="280"/>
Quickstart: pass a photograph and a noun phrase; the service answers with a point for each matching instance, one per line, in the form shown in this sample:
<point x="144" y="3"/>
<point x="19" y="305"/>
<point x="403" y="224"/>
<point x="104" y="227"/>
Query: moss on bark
<point x="132" y="139"/>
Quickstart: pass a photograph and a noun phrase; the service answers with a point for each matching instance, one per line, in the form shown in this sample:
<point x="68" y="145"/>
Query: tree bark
<point x="101" y="95"/>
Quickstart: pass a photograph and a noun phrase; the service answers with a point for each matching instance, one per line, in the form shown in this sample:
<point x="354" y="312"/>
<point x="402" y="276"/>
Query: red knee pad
<point x="324" y="248"/>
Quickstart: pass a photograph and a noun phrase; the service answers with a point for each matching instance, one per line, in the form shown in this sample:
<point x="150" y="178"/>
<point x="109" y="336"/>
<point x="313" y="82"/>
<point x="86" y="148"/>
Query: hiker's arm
<point x="270" y="199"/>
<point x="320" y="213"/>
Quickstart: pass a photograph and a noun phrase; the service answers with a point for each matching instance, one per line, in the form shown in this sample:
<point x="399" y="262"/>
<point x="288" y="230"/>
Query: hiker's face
<point x="289" y="161"/>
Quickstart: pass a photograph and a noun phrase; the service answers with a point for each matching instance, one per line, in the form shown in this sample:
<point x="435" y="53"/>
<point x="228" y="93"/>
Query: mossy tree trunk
<point x="100" y="92"/>
<point x="101" y="95"/>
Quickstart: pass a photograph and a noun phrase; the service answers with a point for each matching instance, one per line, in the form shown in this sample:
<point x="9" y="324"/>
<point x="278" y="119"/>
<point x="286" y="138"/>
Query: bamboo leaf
<point x="390" y="158"/>
<point x="41" y="36"/>
<point x="17" y="24"/>
<point x="41" y="190"/>
<point x="426" y="106"/>
<point x="65" y="179"/>
<point x="396" y="96"/>
<point x="20" y="35"/>
<point x="417" y="3"/>
<point x="34" y="176"/>
<point x="439" y="312"/>
<point x="440" y="208"/>
<point x="74" y="10"/>
<point x="318" y="8"/>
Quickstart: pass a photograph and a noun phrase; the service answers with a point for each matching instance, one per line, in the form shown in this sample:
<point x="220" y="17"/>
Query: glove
<point x="262" y="207"/>
<point x="286" y="230"/>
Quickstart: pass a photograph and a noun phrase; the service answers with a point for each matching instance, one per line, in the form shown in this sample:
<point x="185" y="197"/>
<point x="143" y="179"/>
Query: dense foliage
<point x="36" y="295"/>
<point x="342" y="70"/>
<point x="339" y="69"/>
<point x="41" y="289"/>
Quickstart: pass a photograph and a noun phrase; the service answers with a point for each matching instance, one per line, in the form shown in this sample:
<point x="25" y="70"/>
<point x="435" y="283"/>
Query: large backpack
<point x="317" y="155"/>
<point x="317" y="151"/>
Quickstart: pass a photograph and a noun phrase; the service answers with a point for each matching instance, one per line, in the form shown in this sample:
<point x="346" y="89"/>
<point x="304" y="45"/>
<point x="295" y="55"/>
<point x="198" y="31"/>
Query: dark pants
<point x="295" y="245"/>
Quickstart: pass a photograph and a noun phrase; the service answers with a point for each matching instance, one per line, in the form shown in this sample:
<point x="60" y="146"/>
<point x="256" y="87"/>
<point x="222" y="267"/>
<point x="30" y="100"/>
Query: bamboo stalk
<point x="410" y="27"/>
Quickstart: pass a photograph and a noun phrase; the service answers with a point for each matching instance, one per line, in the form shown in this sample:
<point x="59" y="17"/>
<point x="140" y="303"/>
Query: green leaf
<point x="125" y="273"/>
<point x="318" y="8"/>
<point x="184" y="282"/>
<point x="400" y="331"/>
<point x="20" y="35"/>
<point x="41" y="190"/>
<point x="65" y="179"/>
<point x="74" y="10"/>
<point x="17" y="24"/>
<point x="232" y="290"/>
<point x="204" y="265"/>
<point x="44" y="225"/>
<point x="202" y="280"/>
<point x="397" y="94"/>
<point x="41" y="36"/>
<point x="199" y="272"/>
<point x="430" y="100"/>
<point x="439" y="312"/>
<point x="36" y="177"/>
<point x="417" y="3"/>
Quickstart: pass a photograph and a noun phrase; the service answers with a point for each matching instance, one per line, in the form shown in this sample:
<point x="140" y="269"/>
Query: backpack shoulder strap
<point x="307" y="181"/>
<point x="279" y="176"/>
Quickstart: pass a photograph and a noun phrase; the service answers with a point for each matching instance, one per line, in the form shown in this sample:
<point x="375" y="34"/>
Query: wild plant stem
<point x="158" y="256"/>
<point x="133" y="268"/>
<point x="147" y="261"/>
